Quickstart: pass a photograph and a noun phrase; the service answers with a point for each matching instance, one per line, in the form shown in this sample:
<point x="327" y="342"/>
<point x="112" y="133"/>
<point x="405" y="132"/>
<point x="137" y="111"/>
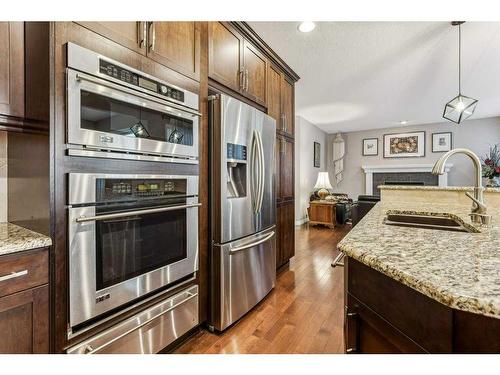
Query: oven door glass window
<point x="127" y="247"/>
<point x="104" y="114"/>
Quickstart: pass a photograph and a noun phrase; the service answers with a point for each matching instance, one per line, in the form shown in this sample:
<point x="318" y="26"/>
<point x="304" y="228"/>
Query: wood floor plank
<point x="303" y="314"/>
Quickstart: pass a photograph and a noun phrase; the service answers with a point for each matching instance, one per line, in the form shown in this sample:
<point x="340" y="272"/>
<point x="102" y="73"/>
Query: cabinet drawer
<point x="22" y="271"/>
<point x="425" y="321"/>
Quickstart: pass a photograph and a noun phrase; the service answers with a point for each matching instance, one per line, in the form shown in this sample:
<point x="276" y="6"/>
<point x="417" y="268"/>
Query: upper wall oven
<point x="126" y="113"/>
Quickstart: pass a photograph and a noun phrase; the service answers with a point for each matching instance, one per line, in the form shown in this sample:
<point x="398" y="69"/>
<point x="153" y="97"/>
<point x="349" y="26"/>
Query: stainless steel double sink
<point x="435" y="221"/>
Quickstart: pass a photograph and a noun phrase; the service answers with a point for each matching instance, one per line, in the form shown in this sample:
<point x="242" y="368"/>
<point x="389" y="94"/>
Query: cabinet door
<point x="274" y="95"/>
<point x="255" y="65"/>
<point x="176" y="45"/>
<point x="279" y="238"/>
<point x="286" y="168"/>
<point x="24" y="322"/>
<point x="277" y="174"/>
<point x="225" y="47"/>
<point x="366" y="332"/>
<point x="130" y="34"/>
<point x="287" y="231"/>
<point x="287" y="105"/>
<point x="12" y="68"/>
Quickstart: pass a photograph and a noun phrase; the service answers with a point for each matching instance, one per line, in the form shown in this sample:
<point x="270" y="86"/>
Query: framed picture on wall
<point x="404" y="145"/>
<point x="317" y="155"/>
<point x="370" y="147"/>
<point x="442" y="142"/>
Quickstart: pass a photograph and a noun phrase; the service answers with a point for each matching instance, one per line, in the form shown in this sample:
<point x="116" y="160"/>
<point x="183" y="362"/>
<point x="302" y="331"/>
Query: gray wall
<point x="476" y="135"/>
<point x="306" y="174"/>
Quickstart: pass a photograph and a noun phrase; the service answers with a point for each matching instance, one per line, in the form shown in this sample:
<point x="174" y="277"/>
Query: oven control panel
<point x="122" y="74"/>
<point x="119" y="189"/>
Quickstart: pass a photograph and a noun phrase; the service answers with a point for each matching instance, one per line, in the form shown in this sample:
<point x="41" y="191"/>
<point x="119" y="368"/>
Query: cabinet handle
<point x="282" y="122"/>
<point x="283" y="146"/>
<point x="152" y="28"/>
<point x="355" y="348"/>
<point x="13" y="275"/>
<point x="142" y="33"/>
<point x="242" y="79"/>
<point x="246" y="79"/>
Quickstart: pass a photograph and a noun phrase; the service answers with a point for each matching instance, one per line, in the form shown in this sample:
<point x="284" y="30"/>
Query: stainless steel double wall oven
<point x="131" y="237"/>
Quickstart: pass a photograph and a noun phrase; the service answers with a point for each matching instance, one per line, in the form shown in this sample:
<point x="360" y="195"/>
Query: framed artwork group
<point x="407" y="145"/>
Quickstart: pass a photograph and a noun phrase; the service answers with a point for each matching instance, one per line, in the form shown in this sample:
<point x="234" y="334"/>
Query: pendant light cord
<point x="459" y="59"/>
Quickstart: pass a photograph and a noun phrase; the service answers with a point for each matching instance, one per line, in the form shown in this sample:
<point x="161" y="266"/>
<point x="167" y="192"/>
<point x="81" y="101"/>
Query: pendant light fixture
<point x="461" y="107"/>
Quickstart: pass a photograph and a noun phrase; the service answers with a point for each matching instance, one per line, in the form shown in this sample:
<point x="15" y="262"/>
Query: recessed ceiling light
<point x="306" y="27"/>
<point x="403" y="122"/>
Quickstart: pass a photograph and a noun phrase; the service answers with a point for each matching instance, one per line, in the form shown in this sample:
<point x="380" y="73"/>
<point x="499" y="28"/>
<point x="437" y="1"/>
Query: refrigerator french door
<point x="243" y="254"/>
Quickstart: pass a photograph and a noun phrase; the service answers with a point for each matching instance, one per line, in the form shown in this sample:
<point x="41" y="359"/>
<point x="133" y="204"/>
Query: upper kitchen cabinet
<point x="236" y="63"/>
<point x="173" y="44"/>
<point x="254" y="73"/>
<point x="287" y="105"/>
<point x="280" y="100"/>
<point x="128" y="34"/>
<point x="12" y="69"/>
<point x="274" y="94"/>
<point x="176" y="45"/>
<point x="224" y="55"/>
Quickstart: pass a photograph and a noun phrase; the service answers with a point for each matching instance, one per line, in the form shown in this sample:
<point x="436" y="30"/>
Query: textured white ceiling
<point x="366" y="75"/>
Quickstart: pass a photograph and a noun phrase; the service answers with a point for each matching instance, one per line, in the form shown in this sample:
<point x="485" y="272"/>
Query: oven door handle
<point x="152" y="98"/>
<point x="83" y="219"/>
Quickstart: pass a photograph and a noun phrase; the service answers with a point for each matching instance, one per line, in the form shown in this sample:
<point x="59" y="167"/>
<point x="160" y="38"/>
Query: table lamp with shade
<point x="323" y="184"/>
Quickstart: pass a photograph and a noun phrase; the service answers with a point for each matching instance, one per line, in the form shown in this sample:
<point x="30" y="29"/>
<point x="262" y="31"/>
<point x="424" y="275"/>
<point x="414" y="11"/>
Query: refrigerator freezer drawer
<point x="244" y="273"/>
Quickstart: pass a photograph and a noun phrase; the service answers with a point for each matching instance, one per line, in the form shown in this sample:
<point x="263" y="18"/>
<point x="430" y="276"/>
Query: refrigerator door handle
<point x="262" y="174"/>
<point x="253" y="154"/>
<point x="247" y="246"/>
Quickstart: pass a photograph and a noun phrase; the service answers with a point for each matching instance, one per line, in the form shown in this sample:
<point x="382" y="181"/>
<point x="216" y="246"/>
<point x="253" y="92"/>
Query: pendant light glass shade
<point x="461" y="107"/>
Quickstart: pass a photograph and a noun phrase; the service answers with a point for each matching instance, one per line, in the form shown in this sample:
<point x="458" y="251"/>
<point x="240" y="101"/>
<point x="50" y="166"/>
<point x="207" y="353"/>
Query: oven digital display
<point x="147" y="84"/>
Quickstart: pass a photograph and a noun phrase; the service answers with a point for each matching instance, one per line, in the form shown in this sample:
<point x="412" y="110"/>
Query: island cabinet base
<point x="385" y="316"/>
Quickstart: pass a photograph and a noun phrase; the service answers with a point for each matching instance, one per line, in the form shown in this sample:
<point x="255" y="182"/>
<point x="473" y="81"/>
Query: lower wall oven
<point x="129" y="236"/>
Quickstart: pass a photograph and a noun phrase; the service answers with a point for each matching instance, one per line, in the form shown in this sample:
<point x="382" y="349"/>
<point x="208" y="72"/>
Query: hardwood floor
<point x="303" y="314"/>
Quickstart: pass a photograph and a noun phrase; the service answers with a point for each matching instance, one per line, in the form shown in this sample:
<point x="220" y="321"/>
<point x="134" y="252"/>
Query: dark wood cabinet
<point x="254" y="67"/>
<point x="172" y="44"/>
<point x="286" y="172"/>
<point x="130" y="34"/>
<point x="385" y="316"/>
<point x="12" y="69"/>
<point x="24" y="322"/>
<point x="287" y="106"/>
<point x="236" y="63"/>
<point x="176" y="45"/>
<point x="225" y="46"/>
<point x="285" y="233"/>
<point x="24" y="302"/>
<point x="280" y="100"/>
<point x="274" y="77"/>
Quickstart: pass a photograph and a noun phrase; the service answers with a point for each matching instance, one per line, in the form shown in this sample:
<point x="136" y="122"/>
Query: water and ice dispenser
<point x="236" y="170"/>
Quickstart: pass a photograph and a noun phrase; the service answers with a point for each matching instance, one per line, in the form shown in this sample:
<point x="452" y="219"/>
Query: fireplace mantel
<point x="407" y="168"/>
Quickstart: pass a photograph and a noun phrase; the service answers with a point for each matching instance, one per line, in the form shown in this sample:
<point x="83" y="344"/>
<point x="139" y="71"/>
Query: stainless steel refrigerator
<point x="243" y="209"/>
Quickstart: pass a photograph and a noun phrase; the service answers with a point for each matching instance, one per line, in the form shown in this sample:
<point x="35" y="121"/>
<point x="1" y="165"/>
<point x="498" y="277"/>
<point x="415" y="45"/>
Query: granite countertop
<point x="458" y="269"/>
<point x="440" y="188"/>
<point x="14" y="238"/>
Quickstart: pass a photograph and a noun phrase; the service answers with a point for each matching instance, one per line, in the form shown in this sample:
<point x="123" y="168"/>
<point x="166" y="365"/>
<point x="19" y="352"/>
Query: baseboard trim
<point x="301" y="221"/>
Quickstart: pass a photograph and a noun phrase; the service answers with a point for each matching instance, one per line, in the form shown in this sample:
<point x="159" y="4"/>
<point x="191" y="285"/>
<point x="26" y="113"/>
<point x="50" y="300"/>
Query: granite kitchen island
<point x="422" y="290"/>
